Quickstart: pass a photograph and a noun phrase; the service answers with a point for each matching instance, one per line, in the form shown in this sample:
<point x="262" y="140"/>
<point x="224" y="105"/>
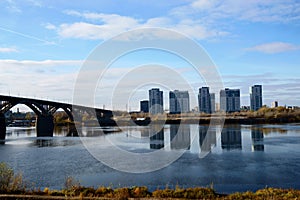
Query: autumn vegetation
<point x="263" y="115"/>
<point x="12" y="186"/>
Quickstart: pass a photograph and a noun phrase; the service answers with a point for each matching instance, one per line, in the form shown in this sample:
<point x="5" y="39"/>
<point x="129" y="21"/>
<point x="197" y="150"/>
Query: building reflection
<point x="207" y="139"/>
<point x="231" y="137"/>
<point x="257" y="140"/>
<point x="180" y="136"/>
<point x="156" y="133"/>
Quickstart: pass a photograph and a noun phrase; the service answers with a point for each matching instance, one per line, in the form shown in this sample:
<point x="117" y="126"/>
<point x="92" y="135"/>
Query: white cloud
<point x="85" y="30"/>
<point x="211" y="11"/>
<point x="274" y="47"/>
<point x="108" y="25"/>
<point x="105" y="26"/>
<point x="12" y="6"/>
<point x="50" y="26"/>
<point x="203" y="4"/>
<point x="8" y="49"/>
<point x="40" y="64"/>
<point x="51" y="79"/>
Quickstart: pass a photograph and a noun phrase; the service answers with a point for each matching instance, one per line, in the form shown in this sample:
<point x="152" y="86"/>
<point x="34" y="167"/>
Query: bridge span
<point x="45" y="110"/>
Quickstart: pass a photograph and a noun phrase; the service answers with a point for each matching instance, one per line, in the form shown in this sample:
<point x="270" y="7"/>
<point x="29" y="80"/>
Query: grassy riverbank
<point x="12" y="186"/>
<point x="142" y="193"/>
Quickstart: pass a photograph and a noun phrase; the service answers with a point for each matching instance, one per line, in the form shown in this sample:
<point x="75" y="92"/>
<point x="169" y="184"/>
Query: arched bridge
<point x="45" y="110"/>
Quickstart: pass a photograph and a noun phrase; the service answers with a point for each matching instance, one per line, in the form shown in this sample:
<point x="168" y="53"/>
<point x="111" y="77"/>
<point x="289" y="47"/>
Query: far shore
<point x="262" y="116"/>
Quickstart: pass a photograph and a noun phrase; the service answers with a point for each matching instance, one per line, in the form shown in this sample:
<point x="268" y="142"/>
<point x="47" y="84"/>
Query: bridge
<point x="45" y="110"/>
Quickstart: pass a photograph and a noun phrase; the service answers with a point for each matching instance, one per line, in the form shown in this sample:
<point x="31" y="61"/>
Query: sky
<point x="44" y="45"/>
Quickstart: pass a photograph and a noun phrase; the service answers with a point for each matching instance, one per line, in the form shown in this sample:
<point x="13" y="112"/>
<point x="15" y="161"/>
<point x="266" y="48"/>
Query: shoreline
<point x="208" y="120"/>
<point x="142" y="193"/>
<point x="187" y="120"/>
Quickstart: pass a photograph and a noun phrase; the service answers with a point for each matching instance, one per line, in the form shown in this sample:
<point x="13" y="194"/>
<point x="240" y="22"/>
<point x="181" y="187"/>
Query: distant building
<point x="256" y="97"/>
<point x="217" y="107"/>
<point x="156" y="104"/>
<point x="230" y="100"/>
<point x="145" y="106"/>
<point x="204" y="100"/>
<point x="245" y="108"/>
<point x="274" y="104"/>
<point x="179" y="102"/>
<point x="213" y="102"/>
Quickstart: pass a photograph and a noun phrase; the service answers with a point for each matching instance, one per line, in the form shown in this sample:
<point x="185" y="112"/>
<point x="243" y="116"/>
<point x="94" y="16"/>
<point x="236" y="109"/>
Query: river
<point x="235" y="158"/>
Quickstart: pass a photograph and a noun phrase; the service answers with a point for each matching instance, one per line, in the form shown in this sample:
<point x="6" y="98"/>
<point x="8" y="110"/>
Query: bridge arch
<point x="44" y="121"/>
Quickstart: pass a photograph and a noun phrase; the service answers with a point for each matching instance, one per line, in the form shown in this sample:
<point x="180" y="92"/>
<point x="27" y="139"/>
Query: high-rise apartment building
<point x="213" y="102"/>
<point x="255" y="97"/>
<point x="156" y="104"/>
<point x="204" y="100"/>
<point x="179" y="102"/>
<point x="145" y="106"/>
<point x="230" y="100"/>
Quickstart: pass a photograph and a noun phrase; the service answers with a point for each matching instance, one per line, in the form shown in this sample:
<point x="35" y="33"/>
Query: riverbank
<point x="262" y="116"/>
<point x="142" y="193"/>
<point x="13" y="186"/>
<point x="121" y="118"/>
<point x="207" y="120"/>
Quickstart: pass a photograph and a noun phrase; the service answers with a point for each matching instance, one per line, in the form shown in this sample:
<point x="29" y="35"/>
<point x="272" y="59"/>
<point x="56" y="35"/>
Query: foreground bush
<point x="14" y="184"/>
<point x="189" y="193"/>
<point x="9" y="181"/>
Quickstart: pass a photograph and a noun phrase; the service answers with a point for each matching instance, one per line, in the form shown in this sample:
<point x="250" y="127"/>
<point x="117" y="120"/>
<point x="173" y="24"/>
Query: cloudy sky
<point x="43" y="44"/>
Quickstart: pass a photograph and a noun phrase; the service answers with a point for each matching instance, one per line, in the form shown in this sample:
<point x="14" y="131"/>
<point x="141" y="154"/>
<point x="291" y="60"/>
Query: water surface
<point x="237" y="158"/>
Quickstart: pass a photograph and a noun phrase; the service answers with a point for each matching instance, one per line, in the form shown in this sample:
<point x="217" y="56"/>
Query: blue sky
<point x="44" y="43"/>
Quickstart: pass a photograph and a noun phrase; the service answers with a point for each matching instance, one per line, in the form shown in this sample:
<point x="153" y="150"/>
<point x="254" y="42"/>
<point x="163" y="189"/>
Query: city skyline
<point x="250" y="43"/>
<point x="179" y="101"/>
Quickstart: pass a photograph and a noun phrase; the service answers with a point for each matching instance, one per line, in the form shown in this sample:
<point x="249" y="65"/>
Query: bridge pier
<point x="2" y="127"/>
<point x="44" y="126"/>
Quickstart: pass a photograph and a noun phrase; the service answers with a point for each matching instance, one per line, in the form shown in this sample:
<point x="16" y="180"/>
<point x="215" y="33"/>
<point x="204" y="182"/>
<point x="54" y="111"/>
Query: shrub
<point x="166" y="193"/>
<point x="9" y="182"/>
<point x="140" y="192"/>
<point x="122" y="193"/>
<point x="104" y="192"/>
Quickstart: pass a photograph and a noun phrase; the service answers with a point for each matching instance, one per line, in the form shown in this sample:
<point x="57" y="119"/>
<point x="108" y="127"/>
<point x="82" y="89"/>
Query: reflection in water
<point x="257" y="140"/>
<point x="231" y="137"/>
<point x="268" y="130"/>
<point x="180" y="136"/>
<point x="207" y="139"/>
<point x="91" y="132"/>
<point x="177" y="136"/>
<point x="157" y="136"/>
<point x="43" y="142"/>
<point x="55" y="142"/>
<point x="276" y="166"/>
